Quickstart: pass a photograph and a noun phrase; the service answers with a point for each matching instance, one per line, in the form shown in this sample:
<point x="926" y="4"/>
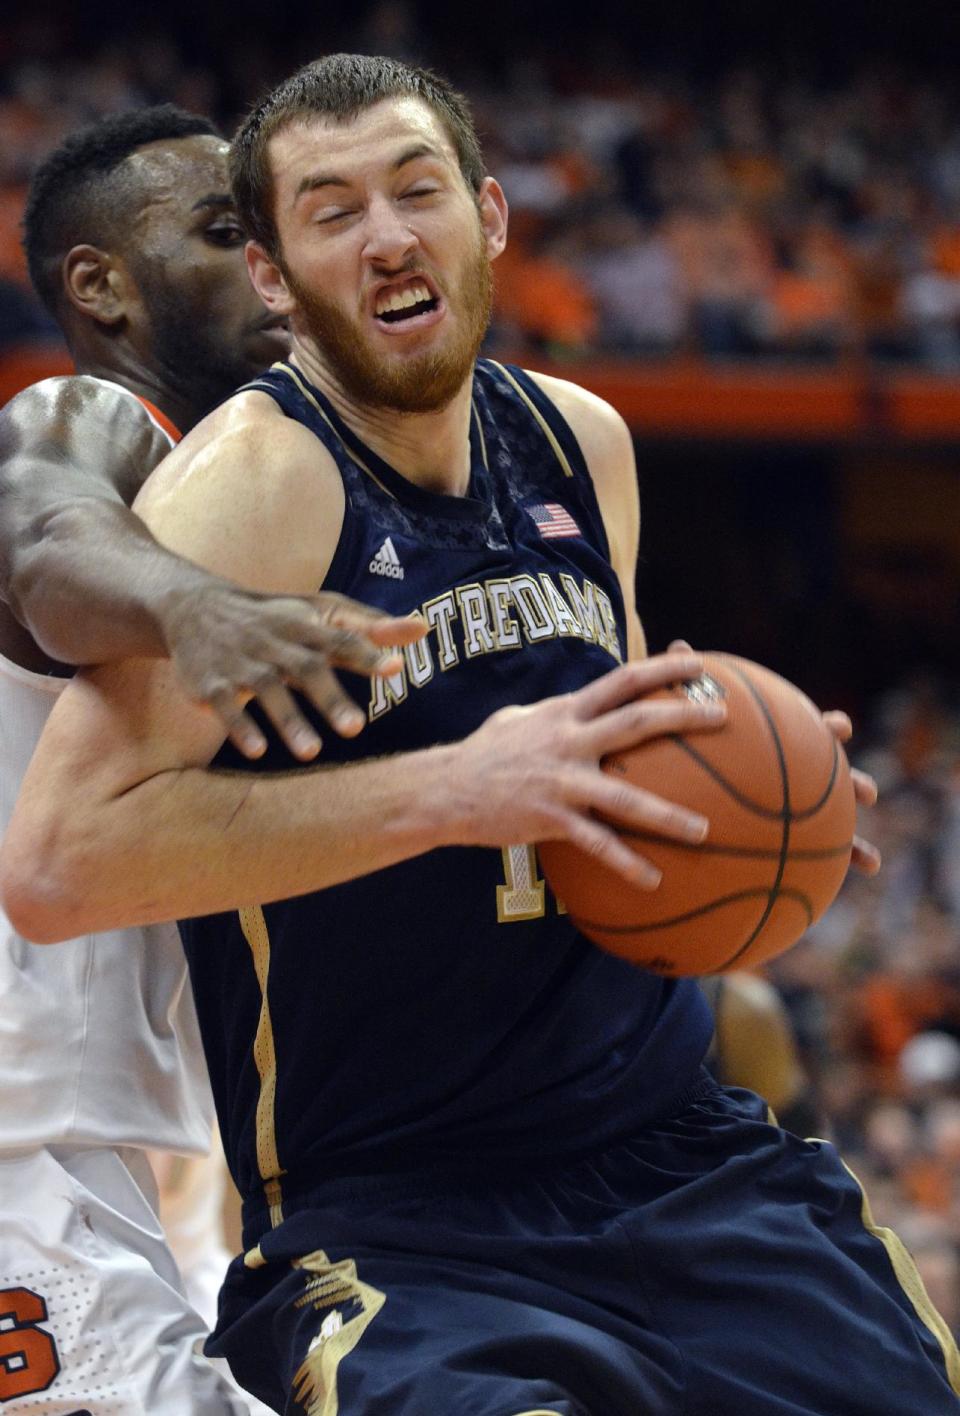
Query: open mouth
<point x="396" y="306"/>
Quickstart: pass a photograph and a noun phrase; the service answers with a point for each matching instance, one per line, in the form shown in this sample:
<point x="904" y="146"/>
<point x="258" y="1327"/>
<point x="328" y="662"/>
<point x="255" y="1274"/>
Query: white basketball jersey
<point x="99" y="1043"/>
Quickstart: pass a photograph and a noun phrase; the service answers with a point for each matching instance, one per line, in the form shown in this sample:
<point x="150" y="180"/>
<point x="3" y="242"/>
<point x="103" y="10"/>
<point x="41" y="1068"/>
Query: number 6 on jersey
<point x="29" y="1361"/>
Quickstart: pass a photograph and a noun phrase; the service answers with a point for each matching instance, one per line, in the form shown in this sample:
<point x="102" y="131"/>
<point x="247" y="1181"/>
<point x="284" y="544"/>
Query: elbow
<point x="40" y="893"/>
<point x="25" y="579"/>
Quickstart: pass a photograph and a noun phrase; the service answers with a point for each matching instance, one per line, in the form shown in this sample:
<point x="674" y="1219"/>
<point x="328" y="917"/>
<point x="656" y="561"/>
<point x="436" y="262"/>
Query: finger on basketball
<point x="633" y="680"/>
<point x="603" y="846"/>
<point x="776" y="789"/>
<point x="864" y="787"/>
<point x="865" y="857"/>
<point x="642" y="811"/>
<point x="839" y="724"/>
<point x="637" y="722"/>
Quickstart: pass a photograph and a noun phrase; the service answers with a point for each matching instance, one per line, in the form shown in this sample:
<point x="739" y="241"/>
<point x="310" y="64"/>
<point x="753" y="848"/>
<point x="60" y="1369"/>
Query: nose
<point x="389" y="239"/>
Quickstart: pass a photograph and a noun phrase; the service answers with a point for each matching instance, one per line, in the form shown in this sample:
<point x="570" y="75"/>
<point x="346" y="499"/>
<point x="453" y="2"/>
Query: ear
<point x="493" y="215"/>
<point x="268" y="280"/>
<point x="96" y="284"/>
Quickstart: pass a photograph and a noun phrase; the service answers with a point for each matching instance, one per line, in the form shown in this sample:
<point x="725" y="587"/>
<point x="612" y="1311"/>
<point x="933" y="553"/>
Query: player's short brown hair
<point x="338" y="86"/>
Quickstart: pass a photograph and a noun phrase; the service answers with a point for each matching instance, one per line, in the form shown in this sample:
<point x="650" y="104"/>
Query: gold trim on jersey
<point x="349" y="1306"/>
<point x="257" y="935"/>
<point x="483" y="441"/>
<point x="289" y="369"/>
<point x="912" y="1284"/>
<point x="548" y="432"/>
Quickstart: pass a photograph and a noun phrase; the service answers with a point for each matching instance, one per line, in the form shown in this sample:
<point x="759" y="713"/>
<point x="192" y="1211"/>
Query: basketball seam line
<point x="763" y="811"/>
<point x="747" y="852"/>
<point x="787" y="894"/>
<point x="785" y="841"/>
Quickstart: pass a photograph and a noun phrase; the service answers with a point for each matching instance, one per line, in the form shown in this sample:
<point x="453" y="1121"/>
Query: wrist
<point x="445" y="800"/>
<point x="171" y="604"/>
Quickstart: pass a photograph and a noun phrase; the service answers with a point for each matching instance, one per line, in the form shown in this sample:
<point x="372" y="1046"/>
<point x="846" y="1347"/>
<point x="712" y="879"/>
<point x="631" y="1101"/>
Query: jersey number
<point x="524" y="895"/>
<point x="28" y="1356"/>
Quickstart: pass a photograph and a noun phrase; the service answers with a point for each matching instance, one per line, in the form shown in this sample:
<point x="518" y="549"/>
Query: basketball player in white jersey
<point x="134" y="244"/>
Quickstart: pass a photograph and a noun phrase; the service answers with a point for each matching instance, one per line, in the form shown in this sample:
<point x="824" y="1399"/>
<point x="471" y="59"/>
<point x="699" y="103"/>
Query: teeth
<point x="402" y="299"/>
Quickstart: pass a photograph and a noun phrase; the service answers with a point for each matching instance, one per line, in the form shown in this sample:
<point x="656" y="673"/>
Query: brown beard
<point x="422" y="383"/>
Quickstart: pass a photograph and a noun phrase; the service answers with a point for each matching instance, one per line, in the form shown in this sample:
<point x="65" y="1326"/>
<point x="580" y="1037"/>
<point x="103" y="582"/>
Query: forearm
<point x="92" y="587"/>
<point x="195" y="841"/>
<point x="99" y="839"/>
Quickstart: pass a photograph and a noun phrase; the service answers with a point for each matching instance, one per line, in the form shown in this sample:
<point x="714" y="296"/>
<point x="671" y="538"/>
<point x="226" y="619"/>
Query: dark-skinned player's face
<point x="201" y="320"/>
<point x="385" y="253"/>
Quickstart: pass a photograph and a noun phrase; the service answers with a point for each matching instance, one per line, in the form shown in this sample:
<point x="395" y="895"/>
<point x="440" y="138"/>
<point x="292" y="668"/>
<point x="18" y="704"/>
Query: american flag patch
<point x="553" y="520"/>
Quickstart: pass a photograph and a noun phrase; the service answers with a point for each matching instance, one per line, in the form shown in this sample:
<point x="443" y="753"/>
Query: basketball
<point x="775" y="786"/>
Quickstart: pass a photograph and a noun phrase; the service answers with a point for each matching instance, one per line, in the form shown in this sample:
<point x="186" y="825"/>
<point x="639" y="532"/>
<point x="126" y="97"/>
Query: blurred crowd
<point x="746" y="214"/>
<point x="874" y="993"/>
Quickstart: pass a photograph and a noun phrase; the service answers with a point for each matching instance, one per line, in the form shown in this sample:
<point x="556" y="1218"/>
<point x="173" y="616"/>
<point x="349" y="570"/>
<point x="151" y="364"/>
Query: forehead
<point x="355" y="147"/>
<point x="172" y="175"/>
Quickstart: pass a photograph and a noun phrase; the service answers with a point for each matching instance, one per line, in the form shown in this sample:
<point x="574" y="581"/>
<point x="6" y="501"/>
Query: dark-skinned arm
<point x="84" y="575"/>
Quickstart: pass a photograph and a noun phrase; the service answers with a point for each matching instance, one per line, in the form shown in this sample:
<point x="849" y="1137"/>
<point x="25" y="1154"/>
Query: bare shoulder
<point x="74" y="395"/>
<point x="598" y="427"/>
<point x="251" y="494"/>
<point x="248" y="440"/>
<point x="87" y="425"/>
<point x="607" y="448"/>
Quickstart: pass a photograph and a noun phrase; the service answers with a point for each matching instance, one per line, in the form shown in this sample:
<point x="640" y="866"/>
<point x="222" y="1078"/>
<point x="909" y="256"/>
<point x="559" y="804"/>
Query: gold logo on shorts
<point x="349" y="1306"/>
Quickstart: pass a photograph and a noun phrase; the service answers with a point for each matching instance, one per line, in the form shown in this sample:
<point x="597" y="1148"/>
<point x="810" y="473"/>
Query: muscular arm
<point x="73" y="453"/>
<point x="92" y="585"/>
<point x="121" y="821"/>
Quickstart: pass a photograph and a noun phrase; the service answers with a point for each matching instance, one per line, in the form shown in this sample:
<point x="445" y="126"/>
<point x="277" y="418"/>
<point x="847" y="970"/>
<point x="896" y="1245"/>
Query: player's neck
<point x="432" y="450"/>
<point x="145" y="383"/>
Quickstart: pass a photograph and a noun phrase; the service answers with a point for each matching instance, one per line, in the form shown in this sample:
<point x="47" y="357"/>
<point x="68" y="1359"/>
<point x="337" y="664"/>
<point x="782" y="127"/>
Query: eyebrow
<point x="217" y="201"/>
<point x="315" y="180"/>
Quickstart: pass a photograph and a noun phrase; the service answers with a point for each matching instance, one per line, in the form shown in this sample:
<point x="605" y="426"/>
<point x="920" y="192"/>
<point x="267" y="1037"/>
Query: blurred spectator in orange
<point x="727" y="265"/>
<point x="811" y="299"/>
<point x="540" y="297"/>
<point x="636" y="281"/>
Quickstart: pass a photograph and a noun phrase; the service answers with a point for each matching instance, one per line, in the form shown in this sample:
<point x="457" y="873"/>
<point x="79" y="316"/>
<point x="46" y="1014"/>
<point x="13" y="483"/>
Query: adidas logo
<point x="387" y="562"/>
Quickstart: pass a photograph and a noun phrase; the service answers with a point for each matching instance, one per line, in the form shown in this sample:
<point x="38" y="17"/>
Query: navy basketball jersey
<point x="443" y="1013"/>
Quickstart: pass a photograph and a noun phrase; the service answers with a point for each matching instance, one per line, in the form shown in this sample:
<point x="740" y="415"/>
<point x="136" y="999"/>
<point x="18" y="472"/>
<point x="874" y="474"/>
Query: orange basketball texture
<point x="775" y="786"/>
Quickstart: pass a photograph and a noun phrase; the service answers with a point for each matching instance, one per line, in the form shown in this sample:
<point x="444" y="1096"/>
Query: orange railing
<point x="687" y="398"/>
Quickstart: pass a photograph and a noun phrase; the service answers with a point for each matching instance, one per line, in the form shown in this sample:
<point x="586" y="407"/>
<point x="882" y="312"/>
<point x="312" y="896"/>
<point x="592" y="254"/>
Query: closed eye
<point x="326" y="217"/>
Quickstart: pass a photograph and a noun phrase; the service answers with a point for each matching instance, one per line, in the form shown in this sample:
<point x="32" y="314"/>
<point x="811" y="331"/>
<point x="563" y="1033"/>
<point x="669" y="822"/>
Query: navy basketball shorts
<point x="713" y="1266"/>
